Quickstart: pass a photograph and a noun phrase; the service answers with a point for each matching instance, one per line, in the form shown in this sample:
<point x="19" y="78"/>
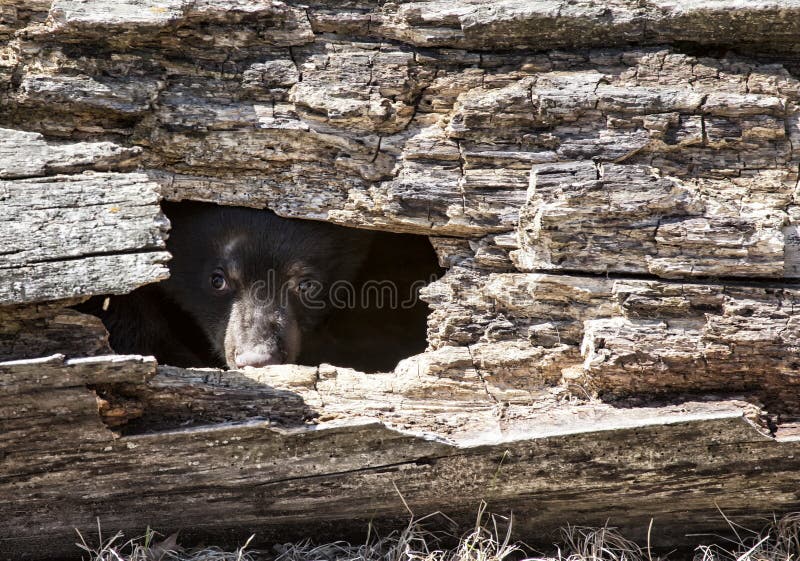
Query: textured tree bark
<point x="612" y="190"/>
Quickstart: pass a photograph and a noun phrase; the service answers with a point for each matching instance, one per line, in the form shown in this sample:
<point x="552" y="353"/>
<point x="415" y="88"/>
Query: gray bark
<point x="550" y="465"/>
<point x="613" y="193"/>
<point x="67" y="236"/>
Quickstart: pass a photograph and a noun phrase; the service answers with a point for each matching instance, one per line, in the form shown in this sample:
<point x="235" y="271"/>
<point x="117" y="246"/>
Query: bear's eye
<point x="218" y="280"/>
<point x="306" y="286"/>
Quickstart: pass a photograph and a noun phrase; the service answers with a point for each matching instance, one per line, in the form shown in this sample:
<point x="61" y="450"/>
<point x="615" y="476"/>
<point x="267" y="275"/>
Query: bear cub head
<point x="254" y="283"/>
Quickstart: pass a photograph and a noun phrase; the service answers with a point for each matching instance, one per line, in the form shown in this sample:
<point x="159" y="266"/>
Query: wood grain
<point x="613" y="190"/>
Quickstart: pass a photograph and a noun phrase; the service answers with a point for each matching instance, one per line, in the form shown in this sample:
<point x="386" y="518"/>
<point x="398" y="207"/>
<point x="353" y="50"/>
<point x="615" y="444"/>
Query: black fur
<point x="269" y="265"/>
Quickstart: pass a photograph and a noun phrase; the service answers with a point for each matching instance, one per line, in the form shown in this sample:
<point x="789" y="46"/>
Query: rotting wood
<point x="555" y="137"/>
<point x="68" y="236"/>
<point x="49" y="328"/>
<point x="620" y="337"/>
<point x="654" y="225"/>
<point x="48" y="402"/>
<point x="25" y="154"/>
<point x="241" y="475"/>
<point x="177" y="398"/>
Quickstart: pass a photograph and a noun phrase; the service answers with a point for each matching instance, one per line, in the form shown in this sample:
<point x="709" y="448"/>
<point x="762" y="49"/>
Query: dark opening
<point x="249" y="288"/>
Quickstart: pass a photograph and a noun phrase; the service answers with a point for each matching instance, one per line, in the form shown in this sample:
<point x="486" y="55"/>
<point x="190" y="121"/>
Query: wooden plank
<point x="77" y="235"/>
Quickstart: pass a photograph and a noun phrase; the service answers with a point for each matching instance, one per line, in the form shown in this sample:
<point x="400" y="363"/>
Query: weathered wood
<point x="176" y="398"/>
<point x="627" y="219"/>
<point x="115" y="274"/>
<point x="56" y="371"/>
<point x="554" y="137"/>
<point x="25" y="154"/>
<point x="622" y="336"/>
<point x="558" y="24"/>
<point x="618" y="462"/>
<point x="47" y="402"/>
<point x="467" y="25"/>
<point x="439" y="384"/>
<point x="16" y="14"/>
<point x="48" y="329"/>
<point x="77" y="235"/>
<point x="382" y="136"/>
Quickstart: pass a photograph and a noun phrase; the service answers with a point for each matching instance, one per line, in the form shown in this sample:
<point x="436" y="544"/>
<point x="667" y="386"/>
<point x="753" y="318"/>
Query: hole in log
<point x="249" y="288"/>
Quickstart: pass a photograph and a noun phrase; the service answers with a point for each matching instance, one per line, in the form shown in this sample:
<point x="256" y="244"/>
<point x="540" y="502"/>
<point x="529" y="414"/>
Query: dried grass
<point x="777" y="541"/>
<point x="149" y="548"/>
<point x="489" y="540"/>
<point x="596" y="544"/>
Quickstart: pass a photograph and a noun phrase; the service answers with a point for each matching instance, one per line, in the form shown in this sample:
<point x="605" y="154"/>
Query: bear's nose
<point x="255" y="359"/>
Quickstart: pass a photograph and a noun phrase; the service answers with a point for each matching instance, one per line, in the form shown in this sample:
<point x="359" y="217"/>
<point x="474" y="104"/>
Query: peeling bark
<point x="612" y="191"/>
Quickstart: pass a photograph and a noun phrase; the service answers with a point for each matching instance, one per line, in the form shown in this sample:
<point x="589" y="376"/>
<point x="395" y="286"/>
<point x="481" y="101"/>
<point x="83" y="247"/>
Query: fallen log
<point x="611" y="188"/>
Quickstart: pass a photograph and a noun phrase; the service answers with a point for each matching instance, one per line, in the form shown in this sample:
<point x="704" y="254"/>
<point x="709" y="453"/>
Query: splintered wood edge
<point x="56" y="371"/>
<point x="630" y="419"/>
<point x="363" y="400"/>
<point x="616" y="420"/>
<point x="533" y="423"/>
<point x="705" y="441"/>
<point x="44" y="282"/>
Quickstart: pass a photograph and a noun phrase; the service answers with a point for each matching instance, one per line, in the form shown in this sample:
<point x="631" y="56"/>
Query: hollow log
<point x="611" y="188"/>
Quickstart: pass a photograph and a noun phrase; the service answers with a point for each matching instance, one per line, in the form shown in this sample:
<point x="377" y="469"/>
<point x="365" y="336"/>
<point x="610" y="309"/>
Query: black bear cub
<point x="246" y="288"/>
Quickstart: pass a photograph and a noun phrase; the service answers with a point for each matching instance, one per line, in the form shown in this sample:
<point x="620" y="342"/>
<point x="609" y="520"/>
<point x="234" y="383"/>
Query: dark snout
<point x="260" y="335"/>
